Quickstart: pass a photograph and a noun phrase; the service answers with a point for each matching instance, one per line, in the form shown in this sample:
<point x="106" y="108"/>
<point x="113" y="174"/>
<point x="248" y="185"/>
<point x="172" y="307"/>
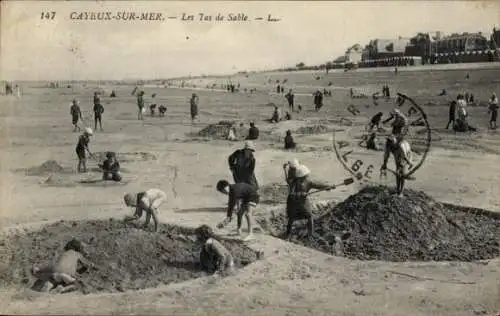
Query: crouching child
<point x="147" y="201"/>
<point x="111" y="168"/>
<point x="214" y="257"/>
<point x="61" y="277"/>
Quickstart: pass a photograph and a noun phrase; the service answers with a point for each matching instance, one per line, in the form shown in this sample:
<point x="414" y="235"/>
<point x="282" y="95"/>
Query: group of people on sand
<point x="243" y="198"/>
<point x="458" y="115"/>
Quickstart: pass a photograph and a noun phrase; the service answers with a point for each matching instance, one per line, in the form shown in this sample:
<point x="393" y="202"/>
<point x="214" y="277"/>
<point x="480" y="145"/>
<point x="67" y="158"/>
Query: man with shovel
<point x="298" y="206"/>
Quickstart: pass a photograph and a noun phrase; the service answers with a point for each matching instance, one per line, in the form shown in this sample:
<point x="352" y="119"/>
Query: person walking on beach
<point x="76" y="114"/>
<point x="194" y="101"/>
<point x="98" y="110"/>
<point x="493" y="109"/>
<point x="290" y="97"/>
<point x="140" y="104"/>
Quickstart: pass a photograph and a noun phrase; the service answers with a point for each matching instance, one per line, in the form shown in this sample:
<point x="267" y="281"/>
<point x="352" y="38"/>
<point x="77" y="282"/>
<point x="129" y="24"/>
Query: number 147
<point x="48" y="15"/>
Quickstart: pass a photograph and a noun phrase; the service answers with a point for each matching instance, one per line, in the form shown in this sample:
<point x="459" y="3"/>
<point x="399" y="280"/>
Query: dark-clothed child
<point x="375" y="121"/>
<point x="290" y="97"/>
<point x="243" y="196"/>
<point x="98" y="110"/>
<point x="76" y="114"/>
<point x="82" y="147"/>
<point x="253" y="132"/>
<point x="162" y="109"/>
<point x="111" y="168"/>
<point x="289" y="142"/>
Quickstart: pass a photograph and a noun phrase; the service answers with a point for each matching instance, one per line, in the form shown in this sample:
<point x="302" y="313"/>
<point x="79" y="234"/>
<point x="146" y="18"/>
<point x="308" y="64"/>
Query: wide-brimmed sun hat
<point x="302" y="171"/>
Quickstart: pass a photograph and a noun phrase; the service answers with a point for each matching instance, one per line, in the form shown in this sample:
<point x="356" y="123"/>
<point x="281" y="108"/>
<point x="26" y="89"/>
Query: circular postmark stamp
<point x="400" y="131"/>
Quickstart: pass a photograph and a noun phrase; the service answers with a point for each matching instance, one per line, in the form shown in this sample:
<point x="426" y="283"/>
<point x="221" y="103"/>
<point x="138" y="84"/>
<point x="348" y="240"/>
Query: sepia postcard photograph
<point x="307" y="158"/>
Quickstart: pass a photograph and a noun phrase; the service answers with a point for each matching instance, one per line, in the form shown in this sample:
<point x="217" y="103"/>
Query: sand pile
<point x="49" y="166"/>
<point x="381" y="226"/>
<point x="221" y="129"/>
<point x="314" y="129"/>
<point x="127" y="257"/>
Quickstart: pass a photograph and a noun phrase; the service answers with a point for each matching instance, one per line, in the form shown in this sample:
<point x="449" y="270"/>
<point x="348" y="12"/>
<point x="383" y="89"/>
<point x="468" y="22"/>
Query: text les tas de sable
<point x="231" y="17"/>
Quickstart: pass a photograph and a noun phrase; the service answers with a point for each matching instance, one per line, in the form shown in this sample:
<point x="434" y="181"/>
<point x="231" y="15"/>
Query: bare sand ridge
<point x="169" y="153"/>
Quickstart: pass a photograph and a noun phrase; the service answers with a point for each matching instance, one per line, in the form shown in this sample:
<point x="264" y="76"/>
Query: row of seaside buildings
<point x="424" y="48"/>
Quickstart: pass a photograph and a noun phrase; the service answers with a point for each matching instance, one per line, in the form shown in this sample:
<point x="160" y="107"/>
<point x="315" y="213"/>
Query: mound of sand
<point x="313" y="129"/>
<point x="221" y="130"/>
<point x="381" y="226"/>
<point x="49" y="166"/>
<point x="127" y="258"/>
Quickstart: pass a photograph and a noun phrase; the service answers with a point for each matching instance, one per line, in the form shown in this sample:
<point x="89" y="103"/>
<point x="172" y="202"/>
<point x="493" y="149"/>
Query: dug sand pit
<point x="377" y="225"/>
<point x="221" y="130"/>
<point x="127" y="258"/>
<point x="128" y="156"/>
<point x="48" y="167"/>
<point x="313" y="129"/>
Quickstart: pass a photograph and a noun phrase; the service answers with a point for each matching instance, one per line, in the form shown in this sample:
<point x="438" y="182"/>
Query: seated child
<point x="111" y="168"/>
<point x="214" y="257"/>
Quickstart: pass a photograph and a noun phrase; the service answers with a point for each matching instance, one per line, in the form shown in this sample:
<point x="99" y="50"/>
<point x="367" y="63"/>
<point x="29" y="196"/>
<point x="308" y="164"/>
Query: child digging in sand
<point x="147" y="201"/>
<point x="242" y="196"/>
<point x="61" y="276"/>
<point x="214" y="257"/>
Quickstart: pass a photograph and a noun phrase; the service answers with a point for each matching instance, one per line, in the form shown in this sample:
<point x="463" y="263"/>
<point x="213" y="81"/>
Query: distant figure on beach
<point x="98" y="111"/>
<point x="443" y="93"/>
<point x="162" y="109"/>
<point x="451" y="114"/>
<point x="194" y="106"/>
<point x="76" y="114"/>
<point x="493" y="110"/>
<point x="140" y="105"/>
<point x="290" y="97"/>
<point x="289" y="142"/>
<point x="318" y="100"/>
<point x="253" y="132"/>
<point x="276" y="115"/>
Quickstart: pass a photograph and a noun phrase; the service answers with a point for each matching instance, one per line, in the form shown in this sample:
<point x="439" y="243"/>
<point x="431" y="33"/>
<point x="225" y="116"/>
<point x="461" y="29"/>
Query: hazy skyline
<point x="309" y="32"/>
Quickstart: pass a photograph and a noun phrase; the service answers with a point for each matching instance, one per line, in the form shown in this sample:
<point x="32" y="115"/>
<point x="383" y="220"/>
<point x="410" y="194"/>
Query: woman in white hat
<point x="298" y="206"/>
<point x="82" y="147"/>
<point x="242" y="164"/>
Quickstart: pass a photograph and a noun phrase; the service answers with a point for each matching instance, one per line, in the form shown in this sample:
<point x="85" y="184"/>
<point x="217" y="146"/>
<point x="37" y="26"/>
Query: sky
<point x="312" y="32"/>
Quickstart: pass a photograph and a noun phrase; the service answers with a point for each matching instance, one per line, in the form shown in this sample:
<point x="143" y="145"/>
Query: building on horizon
<point x="460" y="43"/>
<point x="386" y="48"/>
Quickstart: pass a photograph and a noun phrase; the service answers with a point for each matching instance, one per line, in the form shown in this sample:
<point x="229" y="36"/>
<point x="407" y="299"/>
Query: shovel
<point x="347" y="181"/>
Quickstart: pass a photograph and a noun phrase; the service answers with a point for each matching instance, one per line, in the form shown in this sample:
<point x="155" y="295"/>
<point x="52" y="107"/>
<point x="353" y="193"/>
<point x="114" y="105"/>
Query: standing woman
<point x="194" y="106"/>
